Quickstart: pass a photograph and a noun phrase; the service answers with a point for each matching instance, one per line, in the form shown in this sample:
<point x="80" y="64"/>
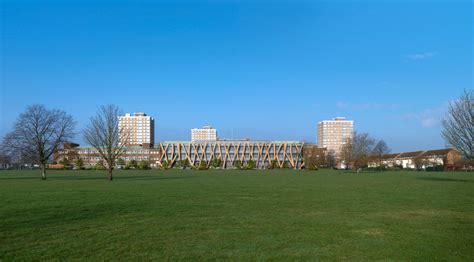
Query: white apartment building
<point x="333" y="134"/>
<point x="141" y="128"/>
<point x="206" y="133"/>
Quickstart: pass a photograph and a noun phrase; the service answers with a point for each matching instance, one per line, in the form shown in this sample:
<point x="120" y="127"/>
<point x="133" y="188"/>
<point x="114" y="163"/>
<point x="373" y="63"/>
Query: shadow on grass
<point x="21" y="178"/>
<point x="442" y="179"/>
<point x="98" y="177"/>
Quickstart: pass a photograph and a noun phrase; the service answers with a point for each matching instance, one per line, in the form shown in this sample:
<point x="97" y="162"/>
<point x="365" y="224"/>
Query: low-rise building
<point x="283" y="154"/>
<point x="448" y="158"/>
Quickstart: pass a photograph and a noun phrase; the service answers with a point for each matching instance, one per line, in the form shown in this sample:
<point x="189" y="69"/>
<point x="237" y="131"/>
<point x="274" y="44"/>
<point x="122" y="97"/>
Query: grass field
<point x="237" y="215"/>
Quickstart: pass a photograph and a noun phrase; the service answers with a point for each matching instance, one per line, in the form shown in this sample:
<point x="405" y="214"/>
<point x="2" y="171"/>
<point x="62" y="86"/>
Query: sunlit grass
<point x="239" y="215"/>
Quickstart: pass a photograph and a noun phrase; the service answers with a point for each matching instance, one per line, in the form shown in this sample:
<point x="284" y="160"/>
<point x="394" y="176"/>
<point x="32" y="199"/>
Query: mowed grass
<point x="237" y="215"/>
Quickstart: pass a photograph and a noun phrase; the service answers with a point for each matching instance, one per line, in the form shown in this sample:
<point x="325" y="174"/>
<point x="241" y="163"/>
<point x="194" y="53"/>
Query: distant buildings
<point x="230" y="153"/>
<point x="448" y="158"/>
<point x="205" y="148"/>
<point x="333" y="134"/>
<point x="141" y="128"/>
<point x="206" y="133"/>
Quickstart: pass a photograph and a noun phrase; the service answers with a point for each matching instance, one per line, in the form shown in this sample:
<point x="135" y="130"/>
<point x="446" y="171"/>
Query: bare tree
<point x="37" y="134"/>
<point x="331" y="159"/>
<point x="104" y="134"/>
<point x="380" y="149"/>
<point x="355" y="152"/>
<point x="458" y="125"/>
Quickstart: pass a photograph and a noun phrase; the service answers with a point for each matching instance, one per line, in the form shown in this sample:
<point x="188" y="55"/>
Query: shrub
<point x="65" y="163"/>
<point x="164" y="165"/>
<point x="132" y="164"/>
<point x="238" y="164"/>
<point x="143" y="164"/>
<point x="100" y="165"/>
<point x="184" y="163"/>
<point x="216" y="163"/>
<point x="203" y="166"/>
<point x="250" y="165"/>
<point x="273" y="165"/>
<point x="120" y="162"/>
<point x="436" y="168"/>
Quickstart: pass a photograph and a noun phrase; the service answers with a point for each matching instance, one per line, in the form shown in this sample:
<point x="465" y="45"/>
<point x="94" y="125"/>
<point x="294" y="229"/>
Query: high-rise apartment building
<point x="333" y="134"/>
<point x="206" y="133"/>
<point x="141" y="128"/>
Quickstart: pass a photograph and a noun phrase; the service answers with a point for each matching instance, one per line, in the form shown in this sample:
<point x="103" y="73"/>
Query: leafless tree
<point x="458" y="125"/>
<point x="104" y="134"/>
<point x="355" y="152"/>
<point x="380" y="149"/>
<point x="37" y="134"/>
<point x="330" y="159"/>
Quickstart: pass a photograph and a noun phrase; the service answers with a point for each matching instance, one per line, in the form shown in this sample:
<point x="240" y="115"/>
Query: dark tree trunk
<point x="109" y="172"/>
<point x="43" y="172"/>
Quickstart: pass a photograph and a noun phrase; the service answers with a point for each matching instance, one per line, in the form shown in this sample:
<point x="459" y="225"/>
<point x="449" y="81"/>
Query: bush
<point x="164" y="165"/>
<point x="132" y="164"/>
<point x="100" y="165"/>
<point x="216" y="163"/>
<point x="250" y="165"/>
<point x="65" y="163"/>
<point x="184" y="163"/>
<point x="437" y="168"/>
<point x="203" y="166"/>
<point x="273" y="165"/>
<point x="238" y="164"/>
<point x="143" y="164"/>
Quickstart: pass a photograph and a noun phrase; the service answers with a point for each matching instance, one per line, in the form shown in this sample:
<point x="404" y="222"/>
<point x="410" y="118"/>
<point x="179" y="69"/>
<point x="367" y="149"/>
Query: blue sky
<point x="264" y="69"/>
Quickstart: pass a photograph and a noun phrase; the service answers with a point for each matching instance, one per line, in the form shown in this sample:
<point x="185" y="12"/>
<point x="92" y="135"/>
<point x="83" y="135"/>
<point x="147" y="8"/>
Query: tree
<point x="331" y="159"/>
<point x="100" y="165"/>
<point x="355" y="152"/>
<point x="104" y="134"/>
<point x="37" y="134"/>
<point x="380" y="149"/>
<point x="458" y="125"/>
<point x="5" y="160"/>
<point x="314" y="157"/>
<point x="79" y="163"/>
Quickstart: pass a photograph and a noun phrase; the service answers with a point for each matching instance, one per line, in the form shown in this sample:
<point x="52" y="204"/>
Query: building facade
<point x="333" y="134"/>
<point x="280" y="154"/>
<point x="448" y="158"/>
<point x="283" y="154"/>
<point x="206" y="133"/>
<point x="140" y="129"/>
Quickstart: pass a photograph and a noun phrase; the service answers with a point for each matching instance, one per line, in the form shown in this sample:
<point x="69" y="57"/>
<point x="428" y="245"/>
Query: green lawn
<point x="237" y="215"/>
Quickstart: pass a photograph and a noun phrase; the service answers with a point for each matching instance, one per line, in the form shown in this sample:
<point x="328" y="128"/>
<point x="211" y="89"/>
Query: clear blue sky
<point x="266" y="69"/>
